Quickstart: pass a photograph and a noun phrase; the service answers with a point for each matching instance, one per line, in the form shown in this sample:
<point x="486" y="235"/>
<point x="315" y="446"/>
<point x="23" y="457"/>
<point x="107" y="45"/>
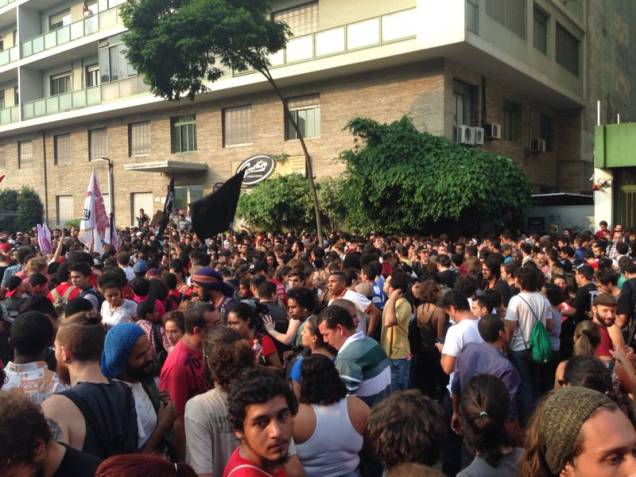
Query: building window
<point x="59" y="19"/>
<point x="540" y="32"/>
<point x="472" y="16"/>
<point x="2" y="103"/>
<point x="512" y="121"/>
<point x="97" y="143"/>
<point x="306" y="112"/>
<point x="184" y="133"/>
<point x="60" y="84"/>
<point x="464" y="103"/>
<point x="16" y="95"/>
<point x="64" y="209"/>
<point x="546" y="130"/>
<point x="509" y="13"/>
<point x="567" y="50"/>
<point x="92" y="75"/>
<point x="62" y="143"/>
<point x="139" y="138"/>
<point x="113" y="64"/>
<point x="184" y="195"/>
<point x="237" y="125"/>
<point x="301" y="20"/>
<point x="25" y="154"/>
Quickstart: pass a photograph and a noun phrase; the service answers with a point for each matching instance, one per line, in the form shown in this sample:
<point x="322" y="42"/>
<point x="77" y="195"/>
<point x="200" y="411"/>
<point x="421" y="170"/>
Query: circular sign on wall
<point x="257" y="169"/>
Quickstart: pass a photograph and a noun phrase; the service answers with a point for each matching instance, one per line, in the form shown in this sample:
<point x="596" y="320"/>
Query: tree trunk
<point x="308" y="161"/>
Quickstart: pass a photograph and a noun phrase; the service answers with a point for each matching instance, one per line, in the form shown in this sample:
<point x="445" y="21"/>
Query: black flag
<point x="167" y="209"/>
<point x="214" y="213"/>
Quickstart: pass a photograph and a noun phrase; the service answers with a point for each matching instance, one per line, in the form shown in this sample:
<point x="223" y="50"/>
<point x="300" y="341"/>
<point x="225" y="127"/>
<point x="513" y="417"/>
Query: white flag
<point x="94" y="219"/>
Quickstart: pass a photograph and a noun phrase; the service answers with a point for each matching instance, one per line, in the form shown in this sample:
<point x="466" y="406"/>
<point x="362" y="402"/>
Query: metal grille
<point x="301" y="20"/>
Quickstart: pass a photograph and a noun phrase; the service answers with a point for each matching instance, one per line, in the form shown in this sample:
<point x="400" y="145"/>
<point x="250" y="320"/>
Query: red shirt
<point x="183" y="375"/>
<point x="61" y="289"/>
<point x="238" y="466"/>
<point x="605" y="346"/>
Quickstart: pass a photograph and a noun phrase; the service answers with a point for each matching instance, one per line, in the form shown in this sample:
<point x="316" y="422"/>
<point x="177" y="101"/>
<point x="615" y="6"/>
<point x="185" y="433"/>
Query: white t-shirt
<point x="146" y="415"/>
<point x="522" y="312"/>
<point x="124" y="313"/>
<point x="129" y="273"/>
<point x="457" y="337"/>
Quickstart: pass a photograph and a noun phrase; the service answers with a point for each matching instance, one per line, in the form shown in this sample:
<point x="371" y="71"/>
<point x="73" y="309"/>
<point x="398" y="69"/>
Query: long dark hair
<point x="484" y="408"/>
<point x="321" y="383"/>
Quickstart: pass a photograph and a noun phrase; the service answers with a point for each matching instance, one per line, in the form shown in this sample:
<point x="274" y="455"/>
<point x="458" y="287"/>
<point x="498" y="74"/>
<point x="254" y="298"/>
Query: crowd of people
<point x="263" y="355"/>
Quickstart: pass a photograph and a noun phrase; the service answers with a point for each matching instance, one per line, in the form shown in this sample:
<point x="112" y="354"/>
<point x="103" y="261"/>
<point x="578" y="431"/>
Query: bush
<point x="333" y="202"/>
<point x="277" y="205"/>
<point x="30" y="209"/>
<point x="8" y="205"/>
<point x="402" y="180"/>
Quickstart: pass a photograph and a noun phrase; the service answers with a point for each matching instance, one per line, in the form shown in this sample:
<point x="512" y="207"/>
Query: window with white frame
<point x="59" y="19"/>
<point x="97" y="143"/>
<point x="301" y="20"/>
<point x="60" y="83"/>
<point x="92" y="75"/>
<point x="305" y="111"/>
<point x="184" y="133"/>
<point x="62" y="143"/>
<point x="139" y="138"/>
<point x="25" y="154"/>
<point x="237" y="125"/>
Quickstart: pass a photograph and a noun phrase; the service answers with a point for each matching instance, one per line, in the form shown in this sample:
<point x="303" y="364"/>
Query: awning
<point x="167" y="167"/>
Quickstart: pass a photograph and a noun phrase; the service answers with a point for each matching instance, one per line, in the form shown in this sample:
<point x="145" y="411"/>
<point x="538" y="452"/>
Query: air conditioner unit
<point x="464" y="135"/>
<point x="492" y="130"/>
<point x="479" y="136"/>
<point x="537" y="145"/>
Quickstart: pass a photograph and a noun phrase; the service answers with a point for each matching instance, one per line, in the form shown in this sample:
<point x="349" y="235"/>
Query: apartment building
<point x="511" y="76"/>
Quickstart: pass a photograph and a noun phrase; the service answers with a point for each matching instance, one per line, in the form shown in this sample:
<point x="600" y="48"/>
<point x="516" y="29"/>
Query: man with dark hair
<point x="580" y="309"/>
<point x="338" y="288"/>
<point x="31" y="336"/>
<point x="261" y="410"/>
<point x="524" y="311"/>
<point x="183" y="373"/>
<point x="491" y="270"/>
<point x="28" y="447"/>
<point x="406" y="431"/>
<point x="486" y="303"/>
<point x="484" y="358"/>
<point x="38" y="284"/>
<point x="209" y="286"/>
<point x="361" y="362"/>
<point x="96" y="415"/>
<point x="80" y="276"/>
<point x="23" y="254"/>
<point x="123" y="262"/>
<point x="396" y="317"/>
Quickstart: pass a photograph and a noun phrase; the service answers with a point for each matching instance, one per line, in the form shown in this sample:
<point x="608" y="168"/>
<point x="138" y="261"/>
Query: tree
<point x="30" y="209"/>
<point x="333" y="202"/>
<point x="177" y="45"/>
<point x="8" y="206"/>
<point x="402" y="180"/>
<point x="277" y="205"/>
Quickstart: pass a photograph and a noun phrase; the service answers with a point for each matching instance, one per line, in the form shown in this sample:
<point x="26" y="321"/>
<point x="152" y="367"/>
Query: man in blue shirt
<point x="484" y="358"/>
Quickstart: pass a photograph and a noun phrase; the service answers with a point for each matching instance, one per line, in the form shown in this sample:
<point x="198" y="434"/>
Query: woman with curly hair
<point x="483" y="410"/>
<point x="329" y="425"/>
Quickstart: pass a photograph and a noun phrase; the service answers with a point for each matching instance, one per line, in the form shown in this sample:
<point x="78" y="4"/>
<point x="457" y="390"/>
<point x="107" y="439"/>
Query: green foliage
<point x="73" y="223"/>
<point x="30" y="209"/>
<point x="278" y="204"/>
<point x="333" y="202"/>
<point x="402" y="180"/>
<point x="177" y="44"/>
<point x="8" y="205"/>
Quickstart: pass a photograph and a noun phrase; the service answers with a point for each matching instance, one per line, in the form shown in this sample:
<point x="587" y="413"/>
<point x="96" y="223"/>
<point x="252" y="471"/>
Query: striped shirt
<point x="364" y="368"/>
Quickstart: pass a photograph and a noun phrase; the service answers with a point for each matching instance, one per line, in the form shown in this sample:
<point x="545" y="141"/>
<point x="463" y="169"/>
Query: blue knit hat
<point x="118" y="344"/>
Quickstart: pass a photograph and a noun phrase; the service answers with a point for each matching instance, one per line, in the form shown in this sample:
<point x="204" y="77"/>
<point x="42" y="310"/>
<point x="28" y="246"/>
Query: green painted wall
<point x="615" y="145"/>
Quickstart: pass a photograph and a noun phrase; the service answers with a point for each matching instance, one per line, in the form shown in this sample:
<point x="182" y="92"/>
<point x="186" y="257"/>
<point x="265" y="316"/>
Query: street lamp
<point x="111" y="196"/>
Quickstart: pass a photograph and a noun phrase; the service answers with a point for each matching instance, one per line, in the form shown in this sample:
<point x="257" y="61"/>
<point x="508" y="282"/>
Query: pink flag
<point x="44" y="239"/>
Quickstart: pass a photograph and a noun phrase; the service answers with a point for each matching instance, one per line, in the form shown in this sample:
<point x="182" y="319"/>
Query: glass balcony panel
<point x="63" y="35"/>
<point x="13" y="54"/>
<point x="398" y="25"/>
<point x="51" y="105"/>
<point x="50" y="40"/>
<point x="107" y="18"/>
<point x="39" y="107"/>
<point x="277" y="58"/>
<point x="27" y="48"/>
<point x="91" y="24"/>
<point x="77" y="30"/>
<point x="4" y="57"/>
<point x="15" y="114"/>
<point x="301" y="48"/>
<point x="361" y="34"/>
<point x="65" y="101"/>
<point x="330" y="42"/>
<point x="38" y="44"/>
<point x="93" y="95"/>
<point x="79" y="98"/>
<point x="5" y="116"/>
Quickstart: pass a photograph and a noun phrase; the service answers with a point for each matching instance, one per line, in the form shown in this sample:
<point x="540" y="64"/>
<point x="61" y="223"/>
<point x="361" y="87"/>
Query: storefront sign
<point x="257" y="169"/>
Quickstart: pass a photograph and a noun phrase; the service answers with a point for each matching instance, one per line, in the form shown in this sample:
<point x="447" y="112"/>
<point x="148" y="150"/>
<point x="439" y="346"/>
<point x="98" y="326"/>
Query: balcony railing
<point x="363" y="34"/>
<point x="5" y="2"/>
<point x="83" y="98"/>
<point x="9" y="115"/>
<point x="9" y="55"/>
<point x="104" y="20"/>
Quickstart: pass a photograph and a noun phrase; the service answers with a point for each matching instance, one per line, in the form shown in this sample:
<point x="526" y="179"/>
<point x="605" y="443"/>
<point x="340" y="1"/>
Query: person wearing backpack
<point x="527" y="322"/>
